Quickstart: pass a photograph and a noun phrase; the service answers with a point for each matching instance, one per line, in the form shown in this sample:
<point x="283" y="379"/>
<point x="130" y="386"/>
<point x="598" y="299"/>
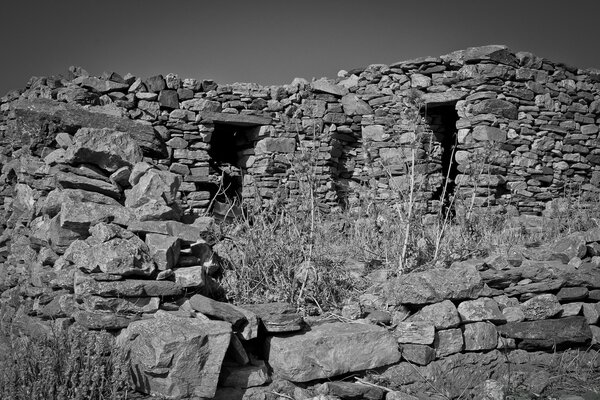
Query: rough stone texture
<point x="434" y="286"/>
<point x="548" y="333"/>
<point x="86" y="285"/>
<point x="480" y="336"/>
<point x="349" y="390"/>
<point x="449" y="341"/>
<point x="443" y="315"/>
<point x="38" y="120"/>
<point x="483" y="309"/>
<point x="176" y="358"/>
<point x="276" y="317"/>
<point x="331" y="349"/>
<point x="416" y="332"/>
<point x="243" y="321"/>
<point x="153" y="185"/>
<point x="163" y="249"/>
<point x="541" y="307"/>
<point x="106" y="148"/>
<point x="417" y="353"/>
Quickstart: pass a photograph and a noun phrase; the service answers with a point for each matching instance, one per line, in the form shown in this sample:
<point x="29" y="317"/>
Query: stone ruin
<point x="108" y="185"/>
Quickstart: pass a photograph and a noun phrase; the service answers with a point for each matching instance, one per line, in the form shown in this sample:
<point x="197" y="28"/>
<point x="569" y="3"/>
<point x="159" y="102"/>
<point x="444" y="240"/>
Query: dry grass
<point x="67" y="365"/>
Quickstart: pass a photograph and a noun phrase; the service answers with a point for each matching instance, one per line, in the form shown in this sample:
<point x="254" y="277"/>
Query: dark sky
<point x="273" y="41"/>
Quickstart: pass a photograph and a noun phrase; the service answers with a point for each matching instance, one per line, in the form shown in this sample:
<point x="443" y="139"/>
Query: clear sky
<point x="273" y="41"/>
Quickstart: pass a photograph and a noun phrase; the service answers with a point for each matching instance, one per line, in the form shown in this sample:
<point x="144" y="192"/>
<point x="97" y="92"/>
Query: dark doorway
<point x="442" y="121"/>
<point x="228" y="146"/>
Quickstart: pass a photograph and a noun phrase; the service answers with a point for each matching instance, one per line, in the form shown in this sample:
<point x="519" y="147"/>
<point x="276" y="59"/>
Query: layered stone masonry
<point x="497" y="127"/>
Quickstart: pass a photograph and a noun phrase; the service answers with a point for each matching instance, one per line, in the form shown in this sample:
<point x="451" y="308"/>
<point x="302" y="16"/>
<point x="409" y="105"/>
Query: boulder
<point x="542" y="306"/>
<point x="329" y="350"/>
<point x="37" y="121"/>
<point x="106" y="148"/>
<point x="243" y="321"/>
<point x="176" y="357"/>
<point x="353" y="105"/>
<point x="433" y="286"/>
<point x="51" y="205"/>
<point x="327" y="86"/>
<point x="79" y="217"/>
<point x="68" y="180"/>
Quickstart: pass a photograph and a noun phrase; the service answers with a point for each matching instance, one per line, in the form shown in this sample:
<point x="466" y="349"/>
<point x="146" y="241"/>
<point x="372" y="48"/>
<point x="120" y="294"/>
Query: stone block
<point x="542" y="306"/>
<point x="449" y="341"/>
<point x="329" y="350"/>
<point x="163" y="249"/>
<point x="177" y="358"/>
<point x="415" y="332"/>
<point x="480" y="336"/>
<point x="549" y="332"/>
<point x="482" y="309"/>
<point x="417" y="353"/>
<point x="442" y="315"/>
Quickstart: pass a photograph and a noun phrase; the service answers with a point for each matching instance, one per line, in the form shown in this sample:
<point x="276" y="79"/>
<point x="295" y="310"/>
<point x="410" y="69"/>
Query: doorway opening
<point x="442" y="121"/>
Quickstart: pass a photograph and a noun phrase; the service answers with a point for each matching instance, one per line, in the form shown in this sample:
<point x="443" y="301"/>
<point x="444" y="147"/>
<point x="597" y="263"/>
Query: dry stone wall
<point x="492" y="126"/>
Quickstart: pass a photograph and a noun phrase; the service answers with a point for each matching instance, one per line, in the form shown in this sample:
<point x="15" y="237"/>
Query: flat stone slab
<point x="176" y="357"/>
<point x="329" y="350"/>
<point x="39" y="120"/>
<point x="434" y="286"/>
<point x="549" y="332"/>
<point x="277" y="317"/>
<point x="86" y="285"/>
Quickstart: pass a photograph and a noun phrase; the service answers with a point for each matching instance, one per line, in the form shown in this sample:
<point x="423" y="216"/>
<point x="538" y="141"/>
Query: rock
<point x="276" y="317"/>
<point x="168" y="99"/>
<point x="513" y="314"/>
<point x="542" y="306"/>
<point x="103" y="86"/>
<point x="498" y="107"/>
<point x="156" y="185"/>
<point x="219" y="310"/>
<point x="79" y="217"/>
<point x="103" y="320"/>
<point x="52" y="204"/>
<point x="417" y="353"/>
<point x="349" y="390"/>
<point x="176" y="357"/>
<point x="549" y="332"/>
<point x="449" y="97"/>
<point x="570" y="246"/>
<point x="571" y="309"/>
<point x="67" y="180"/>
<point x="188" y="234"/>
<point x="493" y="390"/>
<point x="86" y="285"/>
<point x="353" y="105"/>
<point x="235" y="351"/>
<point x="329" y="350"/>
<point x="39" y="120"/>
<point x="244" y="376"/>
<point x="275" y="145"/>
<point x="433" y="286"/>
<point x="123" y="305"/>
<point x="155" y="83"/>
<point x="449" y="341"/>
<point x="395" y="395"/>
<point x="591" y="312"/>
<point x="190" y="277"/>
<point x="443" y="315"/>
<point x="484" y="133"/>
<point x="480" y="336"/>
<point x="106" y="148"/>
<point x="163" y="249"/>
<point x="327" y="86"/>
<point x="567" y="294"/>
<point x="125" y="257"/>
<point x="415" y="332"/>
<point x="482" y="309"/>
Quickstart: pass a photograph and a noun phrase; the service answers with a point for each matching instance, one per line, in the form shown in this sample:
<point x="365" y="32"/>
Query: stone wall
<point x="499" y="128"/>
